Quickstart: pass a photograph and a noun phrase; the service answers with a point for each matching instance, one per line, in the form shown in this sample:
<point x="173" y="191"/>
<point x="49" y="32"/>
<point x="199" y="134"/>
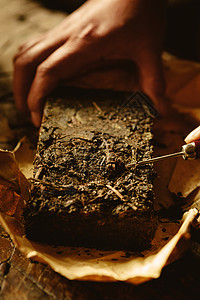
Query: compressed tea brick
<point x="84" y="193"/>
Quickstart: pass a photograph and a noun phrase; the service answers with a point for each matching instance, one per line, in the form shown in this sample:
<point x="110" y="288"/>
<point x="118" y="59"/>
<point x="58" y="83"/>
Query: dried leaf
<point x="9" y="198"/>
<point x="13" y="185"/>
<point x="24" y="154"/>
<point x="185" y="178"/>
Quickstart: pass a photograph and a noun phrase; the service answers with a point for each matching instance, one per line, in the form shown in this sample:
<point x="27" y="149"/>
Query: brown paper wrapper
<point x="171" y="239"/>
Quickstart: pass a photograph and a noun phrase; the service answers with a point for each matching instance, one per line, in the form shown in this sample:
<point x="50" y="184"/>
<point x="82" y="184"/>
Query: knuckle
<point x="43" y="70"/>
<point x="47" y="69"/>
<point x="22" y="46"/>
<point x="23" y="61"/>
<point x="88" y="34"/>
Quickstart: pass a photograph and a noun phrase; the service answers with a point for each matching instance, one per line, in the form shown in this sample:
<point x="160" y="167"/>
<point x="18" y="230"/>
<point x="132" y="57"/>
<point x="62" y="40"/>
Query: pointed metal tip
<point x="133" y="164"/>
<point x="143" y="162"/>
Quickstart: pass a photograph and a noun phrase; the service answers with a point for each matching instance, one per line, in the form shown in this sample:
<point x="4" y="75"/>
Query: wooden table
<point x="21" y="278"/>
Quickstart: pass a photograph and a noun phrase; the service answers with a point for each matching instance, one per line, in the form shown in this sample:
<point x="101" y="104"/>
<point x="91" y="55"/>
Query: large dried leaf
<point x="24" y="154"/>
<point x="13" y="185"/>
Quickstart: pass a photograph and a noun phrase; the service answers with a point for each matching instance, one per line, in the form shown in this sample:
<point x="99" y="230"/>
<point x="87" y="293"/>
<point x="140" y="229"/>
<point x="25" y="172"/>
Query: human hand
<point x="100" y="31"/>
<point x="193" y="135"/>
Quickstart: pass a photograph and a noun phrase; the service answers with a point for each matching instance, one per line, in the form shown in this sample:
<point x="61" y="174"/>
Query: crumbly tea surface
<point x="81" y="166"/>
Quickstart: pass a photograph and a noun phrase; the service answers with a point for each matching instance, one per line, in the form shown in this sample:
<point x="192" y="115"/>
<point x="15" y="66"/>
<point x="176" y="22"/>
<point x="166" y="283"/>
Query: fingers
<point x="23" y="76"/>
<point x="43" y="84"/>
<point x="25" y="66"/>
<point x="151" y="77"/>
<point x="193" y="136"/>
<point x="29" y="44"/>
<point x="67" y="61"/>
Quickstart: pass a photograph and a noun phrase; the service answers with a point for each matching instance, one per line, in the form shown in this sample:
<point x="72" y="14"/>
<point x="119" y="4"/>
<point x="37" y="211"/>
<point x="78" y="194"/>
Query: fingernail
<point x="36" y="118"/>
<point x="194" y="135"/>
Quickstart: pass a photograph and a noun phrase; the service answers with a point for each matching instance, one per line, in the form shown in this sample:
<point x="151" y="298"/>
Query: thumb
<point x="193" y="136"/>
<point x="151" y="78"/>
